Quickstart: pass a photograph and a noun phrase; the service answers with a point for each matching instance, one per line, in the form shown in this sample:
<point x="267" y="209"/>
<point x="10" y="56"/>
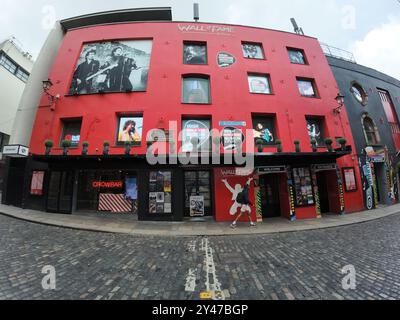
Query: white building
<point x="15" y="68"/>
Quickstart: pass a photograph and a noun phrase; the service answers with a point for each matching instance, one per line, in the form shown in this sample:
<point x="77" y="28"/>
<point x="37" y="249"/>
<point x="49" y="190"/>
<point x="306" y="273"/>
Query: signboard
<point x="16" y="151"/>
<point x="232" y="138"/>
<point x="233" y="123"/>
<point x="350" y="179"/>
<point x="236" y="172"/>
<point x="272" y="169"/>
<point x="37" y="183"/>
<point x="197" y="206"/>
<point x="107" y="184"/>
<point x="225" y="60"/>
<point x="324" y="167"/>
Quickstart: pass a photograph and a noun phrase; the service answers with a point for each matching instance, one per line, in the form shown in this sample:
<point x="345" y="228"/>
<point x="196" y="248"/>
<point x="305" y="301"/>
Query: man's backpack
<point x="240" y="198"/>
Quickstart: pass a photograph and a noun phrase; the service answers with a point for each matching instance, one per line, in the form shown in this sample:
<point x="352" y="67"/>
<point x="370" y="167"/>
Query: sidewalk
<point x="127" y="225"/>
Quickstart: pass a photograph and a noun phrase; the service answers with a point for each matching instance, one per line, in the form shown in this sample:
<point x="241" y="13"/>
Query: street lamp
<point x="340" y="101"/>
<point x="47" y="84"/>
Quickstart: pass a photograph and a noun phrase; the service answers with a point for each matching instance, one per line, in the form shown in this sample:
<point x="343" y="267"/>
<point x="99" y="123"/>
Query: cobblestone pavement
<point x="302" y="265"/>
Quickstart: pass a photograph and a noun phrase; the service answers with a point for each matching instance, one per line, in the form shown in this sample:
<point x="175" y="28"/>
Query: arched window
<point x="370" y="131"/>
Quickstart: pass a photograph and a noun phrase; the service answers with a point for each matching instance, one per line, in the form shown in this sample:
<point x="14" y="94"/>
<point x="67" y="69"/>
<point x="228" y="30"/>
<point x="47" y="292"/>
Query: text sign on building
<point x="324" y="167"/>
<point x="272" y="169"/>
<point x="203" y="28"/>
<point x="107" y="184"/>
<point x="232" y="123"/>
<point x="16" y="151"/>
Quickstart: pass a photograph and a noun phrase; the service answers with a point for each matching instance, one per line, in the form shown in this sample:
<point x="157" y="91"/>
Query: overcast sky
<point x="370" y="29"/>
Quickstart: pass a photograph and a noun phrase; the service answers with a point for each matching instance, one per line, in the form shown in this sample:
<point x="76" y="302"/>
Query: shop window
<point x="160" y="192"/>
<point x="253" y="50"/>
<point x="194" y="53"/>
<point x="307" y="87"/>
<point x="264" y="130"/>
<point x="315" y="128"/>
<point x="297" y="56"/>
<point x="196" y="90"/>
<point x="303" y="187"/>
<point x="199" y="130"/>
<point x="259" y="83"/>
<point x="72" y="132"/>
<point x="130" y="129"/>
<point x="359" y="93"/>
<point x="370" y="131"/>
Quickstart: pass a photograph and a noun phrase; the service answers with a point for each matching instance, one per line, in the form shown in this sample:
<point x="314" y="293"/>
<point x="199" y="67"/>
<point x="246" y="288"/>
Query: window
<point x="297" y="56"/>
<point x="196" y="129"/>
<point x="196" y="90"/>
<point x="307" y="88"/>
<point x="130" y="129"/>
<point x="315" y="128"/>
<point x="359" y="93"/>
<point x="303" y="187"/>
<point x="264" y="130"/>
<point x="259" y="83"/>
<point x="22" y="75"/>
<point x="253" y="50"/>
<point x="72" y="132"/>
<point x="194" y="53"/>
<point x="160" y="192"/>
<point x="371" y="131"/>
<point x="7" y="63"/>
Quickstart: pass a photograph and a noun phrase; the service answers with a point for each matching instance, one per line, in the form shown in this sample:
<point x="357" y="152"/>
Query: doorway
<point x="270" y="197"/>
<point x="198" y="184"/>
<point x="59" y="199"/>
<point x="380" y="182"/>
<point x="323" y="192"/>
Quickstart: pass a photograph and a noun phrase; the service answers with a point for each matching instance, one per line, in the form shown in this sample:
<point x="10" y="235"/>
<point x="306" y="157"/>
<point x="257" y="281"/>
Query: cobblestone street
<point x="301" y="265"/>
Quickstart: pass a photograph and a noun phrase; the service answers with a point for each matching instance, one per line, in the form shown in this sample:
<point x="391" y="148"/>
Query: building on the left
<point x="15" y="68"/>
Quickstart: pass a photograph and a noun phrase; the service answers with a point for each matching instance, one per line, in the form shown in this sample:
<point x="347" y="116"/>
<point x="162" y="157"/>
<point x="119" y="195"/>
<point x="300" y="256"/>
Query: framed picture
<point x="350" y="180"/>
<point x="303" y="187"/>
<point x="197" y="206"/>
<point x="37" y="183"/>
<point x="130" y="129"/>
<point x="113" y="66"/>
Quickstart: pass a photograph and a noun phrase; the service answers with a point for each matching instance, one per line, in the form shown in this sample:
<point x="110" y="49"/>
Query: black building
<point x="373" y="105"/>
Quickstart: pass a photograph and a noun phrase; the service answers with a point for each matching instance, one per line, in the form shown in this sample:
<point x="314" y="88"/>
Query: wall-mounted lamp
<point x="47" y="84"/>
<point x="340" y="101"/>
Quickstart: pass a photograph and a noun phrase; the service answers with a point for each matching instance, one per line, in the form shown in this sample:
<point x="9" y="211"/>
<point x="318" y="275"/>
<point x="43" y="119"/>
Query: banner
<point x="37" y="183"/>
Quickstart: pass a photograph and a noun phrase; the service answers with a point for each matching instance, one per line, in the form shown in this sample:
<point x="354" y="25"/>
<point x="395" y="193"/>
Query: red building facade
<point x="247" y="80"/>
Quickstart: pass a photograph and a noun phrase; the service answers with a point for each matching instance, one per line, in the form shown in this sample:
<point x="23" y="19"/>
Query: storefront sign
<point x="107" y="184"/>
<point x="16" y="151"/>
<point x="232" y="138"/>
<point x="324" y="167"/>
<point x="272" y="169"/>
<point x="197" y="206"/>
<point x="225" y="60"/>
<point x="236" y="172"/>
<point x="200" y="28"/>
<point x="37" y="183"/>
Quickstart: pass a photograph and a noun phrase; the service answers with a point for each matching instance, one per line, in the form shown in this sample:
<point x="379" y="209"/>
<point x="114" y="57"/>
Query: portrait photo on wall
<point x="130" y="130"/>
<point x="316" y="131"/>
<point x="195" y="53"/>
<point x="118" y="66"/>
<point x="264" y="130"/>
<point x="253" y="51"/>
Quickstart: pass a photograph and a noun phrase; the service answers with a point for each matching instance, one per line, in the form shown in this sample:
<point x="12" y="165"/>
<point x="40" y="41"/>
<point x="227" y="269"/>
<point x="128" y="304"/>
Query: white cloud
<point x="380" y="48"/>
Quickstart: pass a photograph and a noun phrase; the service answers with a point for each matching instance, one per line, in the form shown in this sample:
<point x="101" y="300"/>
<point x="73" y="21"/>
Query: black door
<point x="269" y="185"/>
<point x="59" y="199"/>
<point x="198" y="183"/>
<point x="323" y="192"/>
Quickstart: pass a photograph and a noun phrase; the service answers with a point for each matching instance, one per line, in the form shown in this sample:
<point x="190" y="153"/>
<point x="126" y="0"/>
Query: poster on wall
<point x="315" y="131"/>
<point x="199" y="129"/>
<point x="303" y="187"/>
<point x="350" y="179"/>
<point x="264" y="130"/>
<point x="259" y="84"/>
<point x="225" y="60"/>
<point x="232" y="138"/>
<point x="131" y="189"/>
<point x="195" y="53"/>
<point x="130" y="129"/>
<point x="160" y="192"/>
<point x="197" y="206"/>
<point x="113" y="66"/>
<point x="37" y="183"/>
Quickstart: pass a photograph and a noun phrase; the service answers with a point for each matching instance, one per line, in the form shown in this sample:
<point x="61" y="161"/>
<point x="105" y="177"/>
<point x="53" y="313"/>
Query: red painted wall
<point x="230" y="95"/>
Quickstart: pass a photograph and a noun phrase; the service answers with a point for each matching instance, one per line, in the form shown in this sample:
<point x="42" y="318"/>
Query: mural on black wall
<point x="119" y="66"/>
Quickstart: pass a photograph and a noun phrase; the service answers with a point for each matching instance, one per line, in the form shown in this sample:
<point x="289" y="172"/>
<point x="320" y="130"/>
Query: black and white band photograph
<point x="118" y="66"/>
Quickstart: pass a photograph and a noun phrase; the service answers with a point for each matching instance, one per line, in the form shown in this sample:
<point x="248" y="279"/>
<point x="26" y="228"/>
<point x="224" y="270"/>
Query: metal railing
<point x="337" y="53"/>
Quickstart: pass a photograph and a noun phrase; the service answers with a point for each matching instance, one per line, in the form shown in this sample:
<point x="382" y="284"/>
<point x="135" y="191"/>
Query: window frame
<point x="197" y="118"/>
<point x="195" y="43"/>
<point x="314" y="86"/>
<point x="322" y="126"/>
<point x="196" y="76"/>
<point x="63" y="135"/>
<point x="127" y="115"/>
<point x="254" y="44"/>
<point x="258" y="118"/>
<point x="375" y="132"/>
<point x="8" y="62"/>
<point x="363" y="92"/>
<point x="291" y="49"/>
<point x="260" y="75"/>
